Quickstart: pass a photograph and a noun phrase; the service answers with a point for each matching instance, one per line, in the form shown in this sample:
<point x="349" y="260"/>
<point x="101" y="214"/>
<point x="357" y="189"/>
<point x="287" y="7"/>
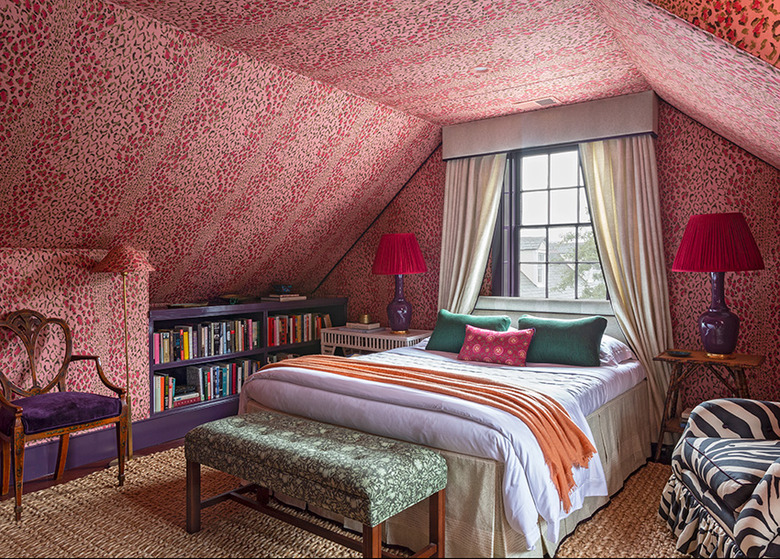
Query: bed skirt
<point x="476" y="523"/>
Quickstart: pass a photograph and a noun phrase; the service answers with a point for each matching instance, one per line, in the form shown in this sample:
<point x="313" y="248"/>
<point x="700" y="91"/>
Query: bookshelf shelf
<point x="255" y="326"/>
<point x="221" y="401"/>
<point x="255" y="353"/>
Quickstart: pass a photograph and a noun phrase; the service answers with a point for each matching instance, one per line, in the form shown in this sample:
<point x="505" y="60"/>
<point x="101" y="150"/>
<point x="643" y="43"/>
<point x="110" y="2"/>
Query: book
<point x="278" y="296"/>
<point x="185" y="388"/>
<point x="361" y="326"/>
<point x="195" y="377"/>
<point x="185" y="399"/>
<point x="166" y="349"/>
<point x="363" y="330"/>
<point x="282" y="298"/>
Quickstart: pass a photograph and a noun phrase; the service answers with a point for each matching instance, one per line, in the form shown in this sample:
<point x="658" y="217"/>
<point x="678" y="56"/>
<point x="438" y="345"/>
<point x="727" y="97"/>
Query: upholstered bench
<point x="363" y="477"/>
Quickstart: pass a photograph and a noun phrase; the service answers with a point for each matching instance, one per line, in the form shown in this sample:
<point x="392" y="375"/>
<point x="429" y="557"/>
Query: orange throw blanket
<point x="563" y="444"/>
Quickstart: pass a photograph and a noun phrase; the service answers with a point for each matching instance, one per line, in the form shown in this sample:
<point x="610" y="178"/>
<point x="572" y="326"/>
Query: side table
<point x="729" y="371"/>
<point x="351" y="340"/>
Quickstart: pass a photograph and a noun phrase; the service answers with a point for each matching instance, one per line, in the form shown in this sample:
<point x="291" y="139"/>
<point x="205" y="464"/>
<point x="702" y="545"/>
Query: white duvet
<point x="461" y="426"/>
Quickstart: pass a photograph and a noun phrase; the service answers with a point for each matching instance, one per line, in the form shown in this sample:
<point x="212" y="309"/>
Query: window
<point x="545" y="247"/>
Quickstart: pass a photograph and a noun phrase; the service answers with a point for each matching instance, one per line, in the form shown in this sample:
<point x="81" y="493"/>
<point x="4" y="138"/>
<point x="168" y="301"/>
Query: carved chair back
<point x="31" y="327"/>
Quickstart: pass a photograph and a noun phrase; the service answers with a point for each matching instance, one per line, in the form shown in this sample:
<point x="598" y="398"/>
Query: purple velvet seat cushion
<point x="53" y="410"/>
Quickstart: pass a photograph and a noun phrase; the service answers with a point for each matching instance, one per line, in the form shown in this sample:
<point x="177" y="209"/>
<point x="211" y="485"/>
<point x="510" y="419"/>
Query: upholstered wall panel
<point x="700" y="172"/>
<point x="58" y="283"/>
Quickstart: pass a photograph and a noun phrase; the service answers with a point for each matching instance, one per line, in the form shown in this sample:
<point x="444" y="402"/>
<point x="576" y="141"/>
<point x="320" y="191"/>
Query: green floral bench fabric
<point x="364" y="477"/>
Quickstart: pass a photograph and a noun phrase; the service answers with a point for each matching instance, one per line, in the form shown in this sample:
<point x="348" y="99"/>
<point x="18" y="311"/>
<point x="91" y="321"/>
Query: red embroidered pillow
<point x="489" y="346"/>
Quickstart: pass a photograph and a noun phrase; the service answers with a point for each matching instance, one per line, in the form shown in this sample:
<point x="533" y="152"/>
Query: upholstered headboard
<point x="514" y="308"/>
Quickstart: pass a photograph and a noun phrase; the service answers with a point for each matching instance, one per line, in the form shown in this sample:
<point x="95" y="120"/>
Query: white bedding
<point x="449" y="423"/>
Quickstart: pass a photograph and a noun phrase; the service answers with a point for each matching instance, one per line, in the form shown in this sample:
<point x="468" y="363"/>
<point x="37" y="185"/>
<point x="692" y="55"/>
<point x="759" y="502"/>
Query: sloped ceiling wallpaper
<point x="233" y="173"/>
<point x="422" y="56"/>
<point x="724" y="88"/>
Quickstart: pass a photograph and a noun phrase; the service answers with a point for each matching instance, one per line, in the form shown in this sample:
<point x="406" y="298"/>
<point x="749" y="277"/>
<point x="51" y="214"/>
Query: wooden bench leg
<point x="436" y="520"/>
<point x="193" y="496"/>
<point x="372" y="540"/>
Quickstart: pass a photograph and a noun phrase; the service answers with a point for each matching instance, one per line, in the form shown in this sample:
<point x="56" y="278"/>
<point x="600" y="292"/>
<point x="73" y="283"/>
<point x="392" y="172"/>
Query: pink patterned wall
<point x="418" y="209"/>
<point x="233" y="173"/>
<point x="58" y="283"/>
<point x="700" y="172"/>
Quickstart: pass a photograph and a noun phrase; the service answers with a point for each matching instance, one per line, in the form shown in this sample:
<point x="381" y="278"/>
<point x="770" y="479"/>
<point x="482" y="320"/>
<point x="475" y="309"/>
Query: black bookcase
<point x="259" y="313"/>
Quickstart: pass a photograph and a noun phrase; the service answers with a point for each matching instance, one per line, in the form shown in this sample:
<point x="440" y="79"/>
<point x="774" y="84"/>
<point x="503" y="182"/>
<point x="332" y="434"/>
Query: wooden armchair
<point x="38" y="411"/>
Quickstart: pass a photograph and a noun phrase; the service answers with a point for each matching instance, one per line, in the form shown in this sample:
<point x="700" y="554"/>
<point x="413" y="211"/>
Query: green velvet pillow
<point x="565" y="342"/>
<point x="450" y="330"/>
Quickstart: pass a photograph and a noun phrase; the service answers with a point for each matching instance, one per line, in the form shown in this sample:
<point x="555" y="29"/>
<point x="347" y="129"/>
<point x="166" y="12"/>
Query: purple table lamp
<point x="399" y="254"/>
<point x="718" y="243"/>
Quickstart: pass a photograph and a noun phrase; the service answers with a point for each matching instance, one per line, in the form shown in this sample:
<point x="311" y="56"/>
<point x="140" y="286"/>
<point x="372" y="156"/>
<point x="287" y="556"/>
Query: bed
<point x="500" y="499"/>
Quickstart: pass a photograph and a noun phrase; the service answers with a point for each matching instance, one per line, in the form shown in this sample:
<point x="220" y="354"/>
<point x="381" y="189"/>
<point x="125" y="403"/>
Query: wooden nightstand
<point x="731" y="372"/>
<point x="355" y="341"/>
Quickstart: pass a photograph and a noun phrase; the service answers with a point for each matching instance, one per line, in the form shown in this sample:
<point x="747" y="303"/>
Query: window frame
<point x="508" y="224"/>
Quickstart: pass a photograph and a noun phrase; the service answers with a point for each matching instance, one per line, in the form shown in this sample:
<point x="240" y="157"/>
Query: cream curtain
<point x="472" y="192"/>
<point x="622" y="183"/>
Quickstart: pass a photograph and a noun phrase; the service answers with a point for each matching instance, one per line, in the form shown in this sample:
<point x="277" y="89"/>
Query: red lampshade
<point x="398" y="253"/>
<point x="121" y="259"/>
<point x="717" y="243"/>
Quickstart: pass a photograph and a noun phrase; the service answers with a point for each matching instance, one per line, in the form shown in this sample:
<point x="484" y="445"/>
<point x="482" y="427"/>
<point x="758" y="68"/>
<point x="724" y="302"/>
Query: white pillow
<point x="613" y="351"/>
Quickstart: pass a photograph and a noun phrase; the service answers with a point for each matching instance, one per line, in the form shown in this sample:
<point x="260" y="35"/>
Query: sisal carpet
<point x="92" y="517"/>
<point x="629" y="526"/>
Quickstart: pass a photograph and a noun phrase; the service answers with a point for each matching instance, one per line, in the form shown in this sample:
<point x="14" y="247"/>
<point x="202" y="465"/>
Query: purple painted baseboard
<point x="41" y="460"/>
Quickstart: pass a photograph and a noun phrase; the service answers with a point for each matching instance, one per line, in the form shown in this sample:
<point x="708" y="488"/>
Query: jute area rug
<point x="93" y="517"/>
<point x="629" y="526"/>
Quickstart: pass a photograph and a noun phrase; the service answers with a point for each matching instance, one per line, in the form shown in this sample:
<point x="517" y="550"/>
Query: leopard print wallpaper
<point x="59" y="283"/>
<point x="115" y="128"/>
<point x="752" y="25"/>
<point x="700" y="172"/>
<point x="418" y="209"/>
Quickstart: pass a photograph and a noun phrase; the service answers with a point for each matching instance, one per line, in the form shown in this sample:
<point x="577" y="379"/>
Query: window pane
<point x="584" y="211"/>
<point x="591" y="283"/>
<point x="586" y="252"/>
<point x="534" y="176"/>
<point x="532" y="243"/>
<point x="564" y="169"/>
<point x="528" y="284"/>
<point x="534" y="208"/>
<point x="562" y="244"/>
<point x="561" y="281"/>
<point x="563" y="206"/>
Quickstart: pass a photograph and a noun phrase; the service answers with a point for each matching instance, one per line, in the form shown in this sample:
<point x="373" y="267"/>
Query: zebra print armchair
<point x="723" y="497"/>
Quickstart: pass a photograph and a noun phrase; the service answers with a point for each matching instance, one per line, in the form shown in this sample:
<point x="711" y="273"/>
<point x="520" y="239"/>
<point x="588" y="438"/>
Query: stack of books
<point x="363" y="326"/>
<point x="284" y="297"/>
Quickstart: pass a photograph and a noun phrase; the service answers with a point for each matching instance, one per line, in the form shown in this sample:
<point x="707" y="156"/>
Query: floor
<point x="75" y="473"/>
<point x="81" y="471"/>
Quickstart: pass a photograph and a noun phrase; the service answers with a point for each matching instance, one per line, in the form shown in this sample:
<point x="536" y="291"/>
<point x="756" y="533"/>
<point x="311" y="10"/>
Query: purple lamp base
<point x="399" y="311"/>
<point x="718" y="326"/>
